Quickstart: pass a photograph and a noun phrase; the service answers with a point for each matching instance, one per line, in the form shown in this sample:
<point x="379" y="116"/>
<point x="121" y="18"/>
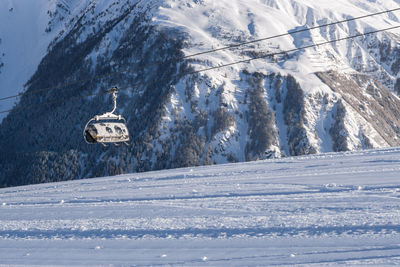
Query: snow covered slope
<point x="321" y="210"/>
<point x="212" y="24"/>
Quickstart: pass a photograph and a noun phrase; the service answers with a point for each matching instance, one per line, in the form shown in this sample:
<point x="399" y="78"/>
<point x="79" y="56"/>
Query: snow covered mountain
<point x="337" y="97"/>
<point x="335" y="209"/>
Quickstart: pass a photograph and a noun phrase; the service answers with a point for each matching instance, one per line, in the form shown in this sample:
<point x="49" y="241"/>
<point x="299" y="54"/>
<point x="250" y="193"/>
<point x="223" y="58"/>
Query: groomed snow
<point x="320" y="210"/>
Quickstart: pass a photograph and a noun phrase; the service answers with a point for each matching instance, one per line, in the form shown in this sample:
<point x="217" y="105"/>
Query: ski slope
<point x="320" y="210"/>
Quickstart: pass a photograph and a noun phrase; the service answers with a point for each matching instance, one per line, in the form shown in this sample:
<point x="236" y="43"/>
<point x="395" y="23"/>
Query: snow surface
<point x="321" y="210"/>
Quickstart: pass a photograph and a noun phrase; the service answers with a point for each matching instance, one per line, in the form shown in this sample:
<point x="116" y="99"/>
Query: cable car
<point x="108" y="127"/>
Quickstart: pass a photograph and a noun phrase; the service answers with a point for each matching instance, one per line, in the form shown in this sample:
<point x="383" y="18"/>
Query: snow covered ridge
<point x="222" y="23"/>
<point x="317" y="210"/>
<point x="336" y="97"/>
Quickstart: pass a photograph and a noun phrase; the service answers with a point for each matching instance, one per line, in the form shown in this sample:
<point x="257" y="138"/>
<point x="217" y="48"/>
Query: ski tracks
<point x="318" y="208"/>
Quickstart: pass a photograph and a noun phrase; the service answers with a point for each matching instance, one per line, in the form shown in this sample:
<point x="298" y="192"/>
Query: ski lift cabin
<point x="108" y="127"/>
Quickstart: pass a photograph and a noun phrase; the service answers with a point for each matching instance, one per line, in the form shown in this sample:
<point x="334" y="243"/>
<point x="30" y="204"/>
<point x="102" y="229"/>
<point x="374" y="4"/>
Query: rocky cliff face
<point x="335" y="97"/>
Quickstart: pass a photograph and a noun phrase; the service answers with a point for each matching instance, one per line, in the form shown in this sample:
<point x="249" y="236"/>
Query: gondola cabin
<point x="106" y="132"/>
<point x="108" y="127"/>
